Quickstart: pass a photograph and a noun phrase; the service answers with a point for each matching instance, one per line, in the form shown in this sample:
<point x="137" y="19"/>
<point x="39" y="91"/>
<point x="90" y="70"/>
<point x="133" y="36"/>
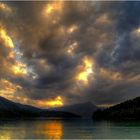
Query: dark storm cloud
<point x="106" y="32"/>
<point x="113" y="92"/>
<point x="129" y="17"/>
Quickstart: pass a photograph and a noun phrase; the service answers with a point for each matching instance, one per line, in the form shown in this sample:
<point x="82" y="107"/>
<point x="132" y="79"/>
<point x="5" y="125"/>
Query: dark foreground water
<point x="68" y="129"/>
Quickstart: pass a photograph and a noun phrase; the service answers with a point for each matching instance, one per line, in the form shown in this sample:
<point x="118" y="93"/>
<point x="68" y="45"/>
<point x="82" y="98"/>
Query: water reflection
<point x="9" y="130"/>
<point x="45" y="129"/>
<point x="68" y="129"/>
<point x="5" y="135"/>
<point x="52" y="129"/>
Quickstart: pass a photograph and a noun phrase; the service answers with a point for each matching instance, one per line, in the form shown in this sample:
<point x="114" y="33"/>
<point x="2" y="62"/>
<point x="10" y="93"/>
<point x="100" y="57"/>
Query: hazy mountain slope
<point x="127" y="110"/>
<point x="83" y="109"/>
<point x="11" y="109"/>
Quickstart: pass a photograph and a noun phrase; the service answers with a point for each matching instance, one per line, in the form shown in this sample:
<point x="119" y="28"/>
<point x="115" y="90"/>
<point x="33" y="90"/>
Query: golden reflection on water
<point x="5" y="135"/>
<point x="48" y="129"/>
<point x="51" y="129"/>
<point x="8" y="134"/>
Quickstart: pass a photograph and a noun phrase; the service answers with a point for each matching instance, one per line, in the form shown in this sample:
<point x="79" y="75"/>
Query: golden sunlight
<point x="57" y="102"/>
<point x="19" y="68"/>
<point x="52" y="7"/>
<point x="49" y="8"/>
<point x="7" y="88"/>
<point x="6" y="39"/>
<point x="87" y="70"/>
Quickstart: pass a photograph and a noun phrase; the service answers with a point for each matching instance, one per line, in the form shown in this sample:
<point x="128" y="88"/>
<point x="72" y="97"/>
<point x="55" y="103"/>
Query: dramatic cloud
<point x="58" y="53"/>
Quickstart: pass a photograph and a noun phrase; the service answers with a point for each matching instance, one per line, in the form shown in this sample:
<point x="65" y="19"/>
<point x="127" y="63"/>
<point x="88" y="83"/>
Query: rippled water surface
<point x="64" y="129"/>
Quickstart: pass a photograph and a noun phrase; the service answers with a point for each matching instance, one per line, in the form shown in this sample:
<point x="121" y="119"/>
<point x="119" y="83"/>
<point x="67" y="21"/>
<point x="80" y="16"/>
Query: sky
<point x="57" y="53"/>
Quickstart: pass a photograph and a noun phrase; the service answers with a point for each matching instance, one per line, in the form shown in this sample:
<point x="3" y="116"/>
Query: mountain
<point x="9" y="109"/>
<point x="82" y="109"/>
<point x="127" y="110"/>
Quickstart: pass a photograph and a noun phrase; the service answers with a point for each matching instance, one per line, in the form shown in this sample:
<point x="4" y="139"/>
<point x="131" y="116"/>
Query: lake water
<point x="68" y="129"/>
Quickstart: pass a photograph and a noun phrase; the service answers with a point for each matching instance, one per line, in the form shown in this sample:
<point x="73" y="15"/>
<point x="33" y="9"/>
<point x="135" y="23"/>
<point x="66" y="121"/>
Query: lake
<point x="68" y="129"/>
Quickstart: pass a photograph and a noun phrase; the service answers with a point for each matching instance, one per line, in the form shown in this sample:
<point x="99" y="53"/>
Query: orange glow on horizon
<point x="57" y="102"/>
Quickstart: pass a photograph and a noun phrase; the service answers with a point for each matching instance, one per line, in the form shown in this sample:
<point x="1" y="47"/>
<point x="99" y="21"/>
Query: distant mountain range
<point x="124" y="111"/>
<point x="82" y="109"/>
<point x="127" y="110"/>
<point x="9" y="109"/>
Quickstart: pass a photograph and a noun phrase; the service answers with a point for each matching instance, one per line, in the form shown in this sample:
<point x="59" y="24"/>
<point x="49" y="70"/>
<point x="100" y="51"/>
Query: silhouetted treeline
<point x="123" y="111"/>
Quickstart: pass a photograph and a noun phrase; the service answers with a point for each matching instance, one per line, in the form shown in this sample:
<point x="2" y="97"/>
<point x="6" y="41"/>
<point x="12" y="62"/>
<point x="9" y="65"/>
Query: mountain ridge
<point x="10" y="109"/>
<point x="83" y="109"/>
<point x="128" y="110"/>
